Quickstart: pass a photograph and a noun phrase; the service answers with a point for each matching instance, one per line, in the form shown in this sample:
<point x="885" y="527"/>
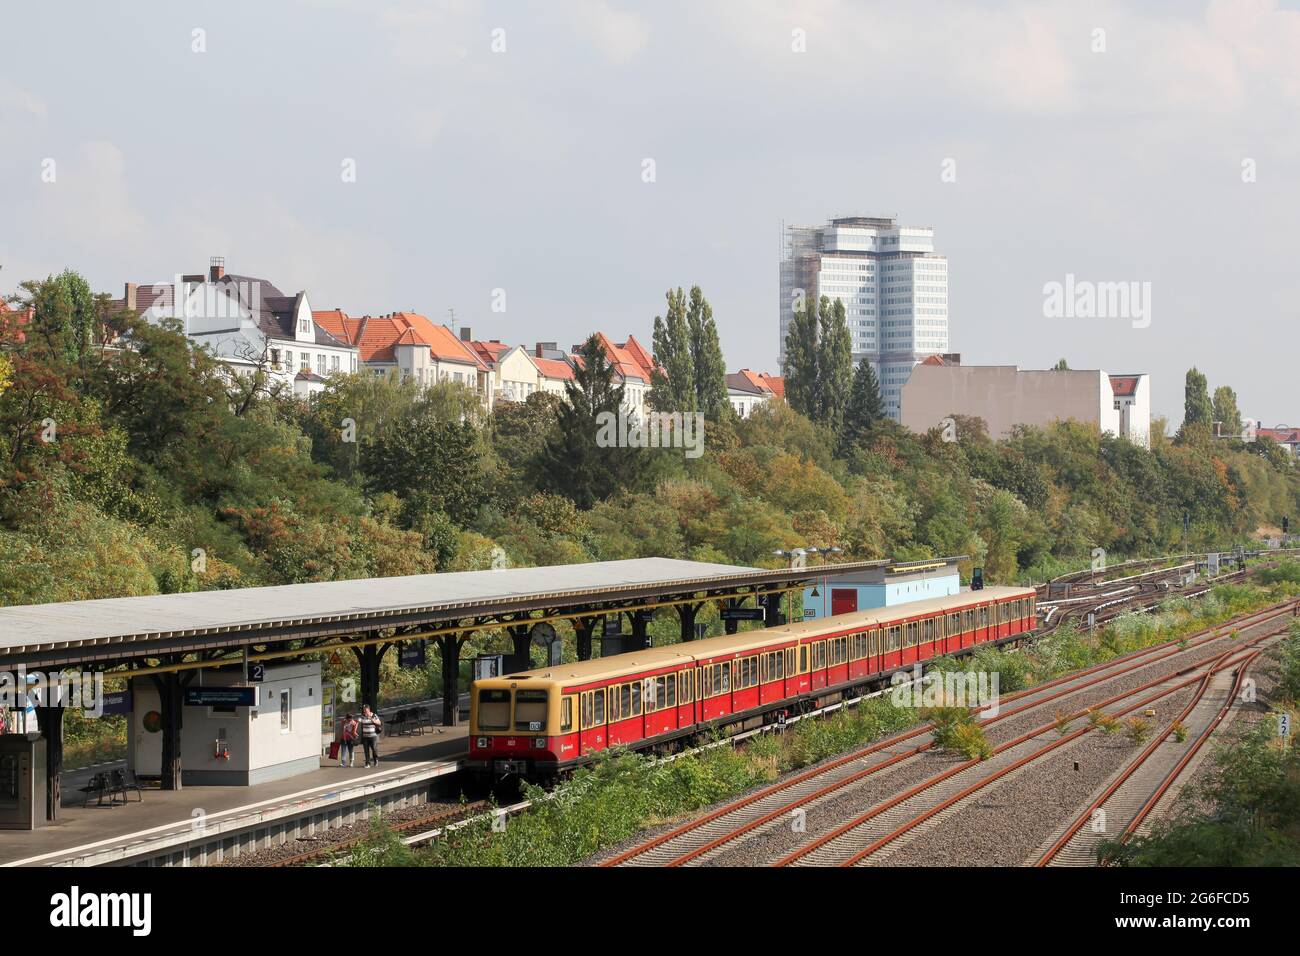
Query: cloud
<point x="16" y="101"/>
<point x="618" y="35"/>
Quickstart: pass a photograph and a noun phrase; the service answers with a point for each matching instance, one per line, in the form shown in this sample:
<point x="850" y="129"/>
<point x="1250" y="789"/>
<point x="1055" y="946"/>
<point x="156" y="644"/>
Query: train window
<point x="620" y="705"/>
<point x="586" y="710"/>
<point x="648" y="694"/>
<point x="530" y="710"/>
<point x="661" y="692"/>
<point x="670" y="690"/>
<point x="927" y="629"/>
<point x="765" y="668"/>
<point x="636" y="699"/>
<point x="778" y="666"/>
<point x="803" y="658"/>
<point x="895" y="637"/>
<point x="566" y="715"/>
<point x="598" y="706"/>
<point x="685" y="684"/>
<point x="494" y="710"/>
<point x="790" y="656"/>
<point x="721" y="678"/>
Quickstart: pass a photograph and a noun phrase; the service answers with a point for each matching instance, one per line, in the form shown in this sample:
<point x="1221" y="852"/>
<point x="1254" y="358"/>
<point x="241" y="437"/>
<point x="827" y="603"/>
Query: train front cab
<point x="521" y="725"/>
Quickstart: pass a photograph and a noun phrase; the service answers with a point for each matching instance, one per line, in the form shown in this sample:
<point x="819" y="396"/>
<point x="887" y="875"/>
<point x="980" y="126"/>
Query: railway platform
<point x="206" y="824"/>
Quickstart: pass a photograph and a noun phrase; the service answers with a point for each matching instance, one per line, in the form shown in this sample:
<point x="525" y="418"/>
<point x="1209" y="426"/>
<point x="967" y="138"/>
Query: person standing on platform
<point x="347" y="746"/>
<point x="370" y="725"/>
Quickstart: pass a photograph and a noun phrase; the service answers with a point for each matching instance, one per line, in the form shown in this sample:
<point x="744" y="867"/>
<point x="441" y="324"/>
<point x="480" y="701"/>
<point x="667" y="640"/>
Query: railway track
<point x="439" y="820"/>
<point x="869" y="836"/>
<point x="1139" y="787"/>
<point x="698" y="840"/>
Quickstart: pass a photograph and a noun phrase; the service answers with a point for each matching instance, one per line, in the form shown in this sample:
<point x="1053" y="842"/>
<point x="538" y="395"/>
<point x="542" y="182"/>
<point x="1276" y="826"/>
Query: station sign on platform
<point x="220" y="696"/>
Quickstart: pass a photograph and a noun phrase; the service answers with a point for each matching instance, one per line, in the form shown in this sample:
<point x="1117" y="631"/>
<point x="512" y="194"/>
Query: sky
<point x="568" y="161"/>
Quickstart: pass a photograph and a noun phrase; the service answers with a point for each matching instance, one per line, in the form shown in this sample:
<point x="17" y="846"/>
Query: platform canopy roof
<point x="75" y="631"/>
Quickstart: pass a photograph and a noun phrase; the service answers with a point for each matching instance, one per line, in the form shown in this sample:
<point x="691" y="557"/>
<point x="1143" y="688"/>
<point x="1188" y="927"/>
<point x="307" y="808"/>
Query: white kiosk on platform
<point x="234" y="732"/>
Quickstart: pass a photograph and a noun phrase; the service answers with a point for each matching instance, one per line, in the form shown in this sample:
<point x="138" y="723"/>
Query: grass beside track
<point x="622" y="793"/>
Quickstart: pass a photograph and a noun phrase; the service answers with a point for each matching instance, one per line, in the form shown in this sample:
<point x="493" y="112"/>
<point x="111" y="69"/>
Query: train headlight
<point x="482" y="743"/>
<point x="539" y="743"/>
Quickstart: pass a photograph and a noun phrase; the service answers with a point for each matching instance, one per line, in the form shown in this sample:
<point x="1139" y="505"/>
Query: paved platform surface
<point x="83" y="830"/>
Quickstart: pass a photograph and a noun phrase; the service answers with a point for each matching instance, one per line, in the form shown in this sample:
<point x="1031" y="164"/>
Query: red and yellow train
<point x="539" y="722"/>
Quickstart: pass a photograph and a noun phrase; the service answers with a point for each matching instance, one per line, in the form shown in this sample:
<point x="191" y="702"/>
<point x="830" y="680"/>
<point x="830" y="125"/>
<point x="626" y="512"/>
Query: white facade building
<point x="247" y="323"/>
<point x="893" y="285"/>
<point x="235" y="746"/>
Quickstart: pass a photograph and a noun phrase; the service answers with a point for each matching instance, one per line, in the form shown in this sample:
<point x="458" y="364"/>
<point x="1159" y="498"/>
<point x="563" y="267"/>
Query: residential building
<point x="13" y="321"/>
<point x="1004" y="397"/>
<point x="247" y="323"/>
<point x="893" y="284"/>
<point x="633" y="366"/>
<point x="409" y="345"/>
<point x="554" y="368"/>
<point x="746" y="390"/>
<point x="1284" y="435"/>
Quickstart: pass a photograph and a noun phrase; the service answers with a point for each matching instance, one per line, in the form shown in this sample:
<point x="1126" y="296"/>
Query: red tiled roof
<point x="375" y="336"/>
<point x="553" y="368"/>
<point x="1282" y="434"/>
<point x="750" y="381"/>
<point x="776" y="383"/>
<point x="640" y="356"/>
<point x="625" y="363"/>
<point x="1123" y="385"/>
<point x="489" y="352"/>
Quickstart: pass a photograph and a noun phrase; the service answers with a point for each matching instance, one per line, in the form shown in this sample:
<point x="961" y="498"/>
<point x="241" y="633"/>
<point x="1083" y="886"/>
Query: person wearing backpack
<point x="371" y="726"/>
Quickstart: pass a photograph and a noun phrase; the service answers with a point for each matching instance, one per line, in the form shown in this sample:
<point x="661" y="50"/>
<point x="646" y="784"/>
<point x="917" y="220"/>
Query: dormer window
<point x="304" y="325"/>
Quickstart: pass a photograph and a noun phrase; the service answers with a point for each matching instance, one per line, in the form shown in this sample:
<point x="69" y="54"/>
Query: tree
<point x="1226" y="412"/>
<point x="573" y="464"/>
<point x="1197" y="409"/>
<point x="437" y="460"/>
<point x="834" y="364"/>
<point x="672" y="383"/>
<point x="800" y="368"/>
<point x="706" y="358"/>
<point x="66" y="314"/>
<point x="1061" y="366"/>
<point x="866" y="406"/>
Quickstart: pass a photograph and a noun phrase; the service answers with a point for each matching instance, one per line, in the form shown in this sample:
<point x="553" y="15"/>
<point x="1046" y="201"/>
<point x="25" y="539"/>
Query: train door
<point x="593" y="735"/>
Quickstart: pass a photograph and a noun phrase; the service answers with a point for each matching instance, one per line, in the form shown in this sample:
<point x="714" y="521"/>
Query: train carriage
<point x="538" y="722"/>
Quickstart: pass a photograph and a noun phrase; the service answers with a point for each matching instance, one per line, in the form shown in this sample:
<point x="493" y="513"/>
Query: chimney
<point x="542" y="347"/>
<point x="465" y="334"/>
<point x="129" y="296"/>
<point x="216" y="268"/>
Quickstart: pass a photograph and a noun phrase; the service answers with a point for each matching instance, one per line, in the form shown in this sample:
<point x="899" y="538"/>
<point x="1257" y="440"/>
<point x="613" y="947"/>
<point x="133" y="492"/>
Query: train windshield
<point x="530" y="710"/>
<point x="494" y="710"/>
